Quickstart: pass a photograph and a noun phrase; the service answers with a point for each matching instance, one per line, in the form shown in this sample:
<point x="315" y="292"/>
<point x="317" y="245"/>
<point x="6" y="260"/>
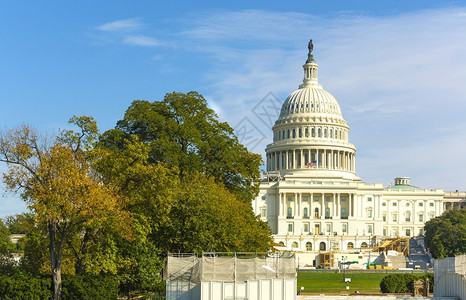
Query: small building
<point x="231" y="276"/>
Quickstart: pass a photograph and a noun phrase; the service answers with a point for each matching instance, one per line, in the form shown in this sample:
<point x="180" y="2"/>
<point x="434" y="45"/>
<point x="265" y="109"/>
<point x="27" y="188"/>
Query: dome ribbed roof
<point x="309" y="100"/>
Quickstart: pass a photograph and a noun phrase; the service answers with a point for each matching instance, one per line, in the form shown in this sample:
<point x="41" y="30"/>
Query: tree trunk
<point x="55" y="257"/>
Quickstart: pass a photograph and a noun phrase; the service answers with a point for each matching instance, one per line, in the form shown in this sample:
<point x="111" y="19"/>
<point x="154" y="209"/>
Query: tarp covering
<point x="229" y="268"/>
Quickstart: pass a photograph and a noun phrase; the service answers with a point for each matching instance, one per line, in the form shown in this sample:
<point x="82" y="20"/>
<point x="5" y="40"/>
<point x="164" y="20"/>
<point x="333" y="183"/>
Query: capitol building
<point x="311" y="196"/>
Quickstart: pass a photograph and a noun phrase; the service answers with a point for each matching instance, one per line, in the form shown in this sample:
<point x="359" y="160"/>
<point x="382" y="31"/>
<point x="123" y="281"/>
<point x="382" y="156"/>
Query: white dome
<point x="310" y="100"/>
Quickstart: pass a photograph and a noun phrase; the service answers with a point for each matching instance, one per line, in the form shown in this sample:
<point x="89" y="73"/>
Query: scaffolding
<point x="187" y="274"/>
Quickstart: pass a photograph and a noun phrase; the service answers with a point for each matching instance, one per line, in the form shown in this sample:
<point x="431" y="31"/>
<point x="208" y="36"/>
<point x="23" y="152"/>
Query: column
<point x="301" y="158"/>
<point x="322" y="206"/>
<point x="280" y="197"/>
<point x="350" y="205"/>
<point x="287" y="163"/>
<point x="334" y="212"/>
<point x="294" y="160"/>
<point x="295" y="212"/>
<point x="300" y="204"/>
<point x="338" y="204"/>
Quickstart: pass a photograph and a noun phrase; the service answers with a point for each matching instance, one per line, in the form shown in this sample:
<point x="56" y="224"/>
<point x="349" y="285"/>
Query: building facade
<point x="311" y="196"/>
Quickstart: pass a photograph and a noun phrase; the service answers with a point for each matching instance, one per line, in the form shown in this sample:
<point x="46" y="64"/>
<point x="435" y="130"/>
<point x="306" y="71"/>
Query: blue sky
<point x="397" y="68"/>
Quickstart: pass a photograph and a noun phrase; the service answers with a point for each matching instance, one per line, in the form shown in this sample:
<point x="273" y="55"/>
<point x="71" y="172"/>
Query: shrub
<point x="89" y="287"/>
<point x="24" y="287"/>
<point x="402" y="283"/>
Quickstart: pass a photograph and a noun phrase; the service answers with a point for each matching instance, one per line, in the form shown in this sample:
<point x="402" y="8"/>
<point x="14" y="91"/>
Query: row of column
<point x="298" y="206"/>
<point x="306" y="132"/>
<point x="415" y="210"/>
<point x="305" y="158"/>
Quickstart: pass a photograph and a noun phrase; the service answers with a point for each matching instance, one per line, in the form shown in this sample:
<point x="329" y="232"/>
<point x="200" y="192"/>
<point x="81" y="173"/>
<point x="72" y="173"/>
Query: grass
<point x="332" y="283"/>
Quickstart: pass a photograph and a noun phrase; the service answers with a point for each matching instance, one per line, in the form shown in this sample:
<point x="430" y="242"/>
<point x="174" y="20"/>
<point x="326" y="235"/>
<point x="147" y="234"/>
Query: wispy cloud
<point x="397" y="78"/>
<point x="120" y="25"/>
<point x="140" y="40"/>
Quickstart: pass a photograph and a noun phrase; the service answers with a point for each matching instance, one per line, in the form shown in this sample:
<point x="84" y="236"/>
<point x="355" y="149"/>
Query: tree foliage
<point x="402" y="283"/>
<point x="57" y="179"/>
<point x="183" y="132"/>
<point x="446" y="234"/>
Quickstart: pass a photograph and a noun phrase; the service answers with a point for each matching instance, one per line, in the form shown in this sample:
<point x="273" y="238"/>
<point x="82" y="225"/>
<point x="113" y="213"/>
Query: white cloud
<point x="399" y="80"/>
<point x="140" y="40"/>
<point x="120" y="25"/>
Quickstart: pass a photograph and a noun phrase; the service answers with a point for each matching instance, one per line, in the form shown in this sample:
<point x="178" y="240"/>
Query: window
<point x="394" y="204"/>
<point x="395" y="232"/>
<point x="313" y="132"/>
<point x="408" y="232"/>
<point x="290" y="212"/>
<point x="344" y="228"/>
<point x="384" y="217"/>
<point x="290" y="198"/>
<point x="304" y="199"/>
<point x="327" y="199"/>
<point x="263" y="212"/>
<point x="327" y="213"/>
<point x="343" y="199"/>
<point x="408" y="216"/>
<point x="290" y="227"/>
<point x="316" y="212"/>
<point x="369" y="229"/>
<point x="316" y="199"/>
<point x="363" y="245"/>
<point x="300" y="132"/>
<point x="319" y="132"/>
<point x="431" y="204"/>
<point x="369" y="213"/>
<point x="288" y="133"/>
<point x="309" y="246"/>
<point x="306" y="132"/>
<point x="421" y="231"/>
<point x="350" y="245"/>
<point x="421" y="217"/>
<point x="281" y="244"/>
<point x="306" y="227"/>
<point x="322" y="246"/>
<point x="294" y="245"/>
<point x="394" y="217"/>
<point x="329" y="228"/>
<point x="421" y="203"/>
<point x="325" y="132"/>
<point x="369" y="199"/>
<point x="407" y="203"/>
<point x="343" y="212"/>
<point x="384" y="203"/>
<point x="385" y="232"/>
<point x="305" y="212"/>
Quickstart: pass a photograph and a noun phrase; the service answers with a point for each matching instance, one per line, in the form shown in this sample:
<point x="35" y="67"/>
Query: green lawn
<point x="332" y="283"/>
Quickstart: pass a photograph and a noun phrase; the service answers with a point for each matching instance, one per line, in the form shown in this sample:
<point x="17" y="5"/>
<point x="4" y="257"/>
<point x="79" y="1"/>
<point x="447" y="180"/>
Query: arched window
<point x="327" y="213"/>
<point x="309" y="246"/>
<point x="331" y="133"/>
<point x="288" y="134"/>
<point x="294" y="245"/>
<point x="282" y="244"/>
<point x="343" y="212"/>
<point x="313" y="132"/>
<point x="319" y="132"/>
<point x="316" y="212"/>
<point x="322" y="246"/>
<point x="305" y="212"/>
<point x="325" y="132"/>
<point x="350" y="245"/>
<point x="364" y="245"/>
<point x="408" y="216"/>
<point x="290" y="211"/>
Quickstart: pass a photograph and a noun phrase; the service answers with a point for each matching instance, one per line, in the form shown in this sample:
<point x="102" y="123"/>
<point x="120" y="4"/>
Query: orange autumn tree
<point x="57" y="179"/>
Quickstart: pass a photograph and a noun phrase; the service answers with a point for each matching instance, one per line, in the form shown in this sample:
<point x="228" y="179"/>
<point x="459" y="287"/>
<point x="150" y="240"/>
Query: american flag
<point x="311" y="164"/>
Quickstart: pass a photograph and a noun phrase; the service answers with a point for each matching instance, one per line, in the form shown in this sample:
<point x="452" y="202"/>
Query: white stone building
<point x="311" y="196"/>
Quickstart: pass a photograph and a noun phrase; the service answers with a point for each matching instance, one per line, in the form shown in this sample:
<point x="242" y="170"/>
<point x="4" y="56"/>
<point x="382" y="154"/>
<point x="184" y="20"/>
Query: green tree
<point x="446" y="234"/>
<point x="20" y="223"/>
<point x="183" y="132"/>
<point x="7" y="248"/>
<point x="207" y="216"/>
<point x="57" y="179"/>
